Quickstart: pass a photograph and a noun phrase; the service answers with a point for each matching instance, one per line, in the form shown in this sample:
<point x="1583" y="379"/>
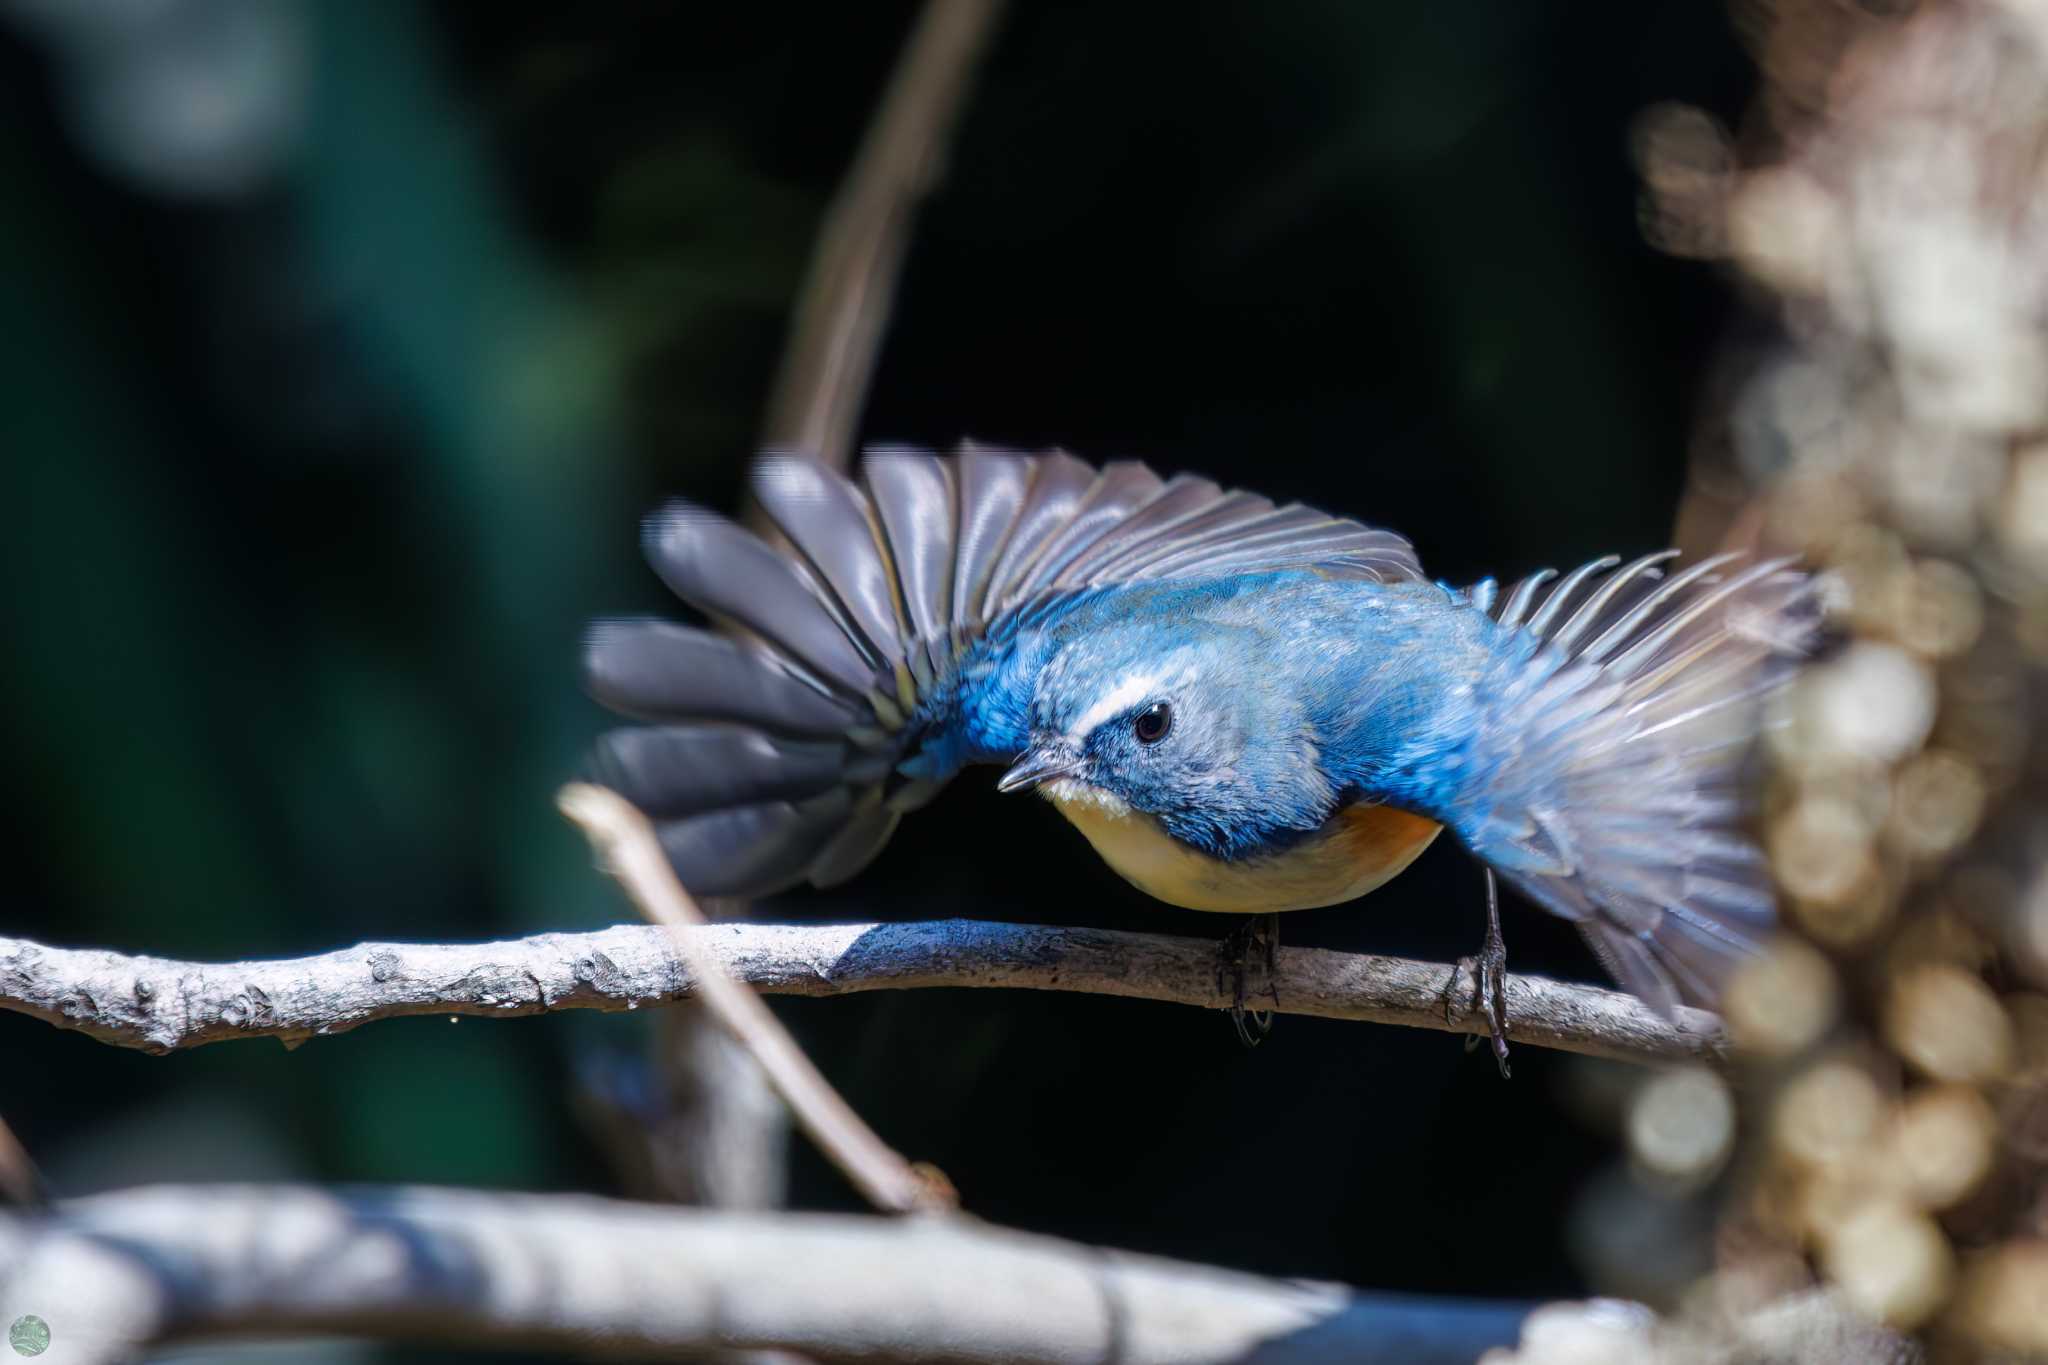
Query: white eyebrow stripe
<point x="1129" y="690"/>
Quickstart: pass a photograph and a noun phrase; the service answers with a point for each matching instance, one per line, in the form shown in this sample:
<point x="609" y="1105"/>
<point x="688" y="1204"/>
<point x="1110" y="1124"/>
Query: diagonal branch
<point x="844" y="305"/>
<point x="625" y="842"/>
<point x="160" y="1005"/>
<point x="117" y="1274"/>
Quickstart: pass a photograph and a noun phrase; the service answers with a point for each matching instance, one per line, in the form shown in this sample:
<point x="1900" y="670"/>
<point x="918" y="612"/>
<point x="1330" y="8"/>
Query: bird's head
<point x="1195" y="732"/>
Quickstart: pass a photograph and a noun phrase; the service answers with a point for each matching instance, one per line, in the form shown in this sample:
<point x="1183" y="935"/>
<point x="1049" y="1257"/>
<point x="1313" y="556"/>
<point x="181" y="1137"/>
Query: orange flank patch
<point x="1382" y="840"/>
<point x="1358" y="850"/>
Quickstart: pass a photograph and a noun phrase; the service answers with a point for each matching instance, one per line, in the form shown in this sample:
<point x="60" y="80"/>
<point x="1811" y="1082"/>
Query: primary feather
<point x="1609" y="781"/>
<point x="1583" y="735"/>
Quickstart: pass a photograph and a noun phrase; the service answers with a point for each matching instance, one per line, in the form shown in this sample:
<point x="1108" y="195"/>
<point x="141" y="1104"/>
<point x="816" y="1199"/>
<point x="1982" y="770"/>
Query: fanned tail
<point x="778" y="750"/>
<point x="1611" y="780"/>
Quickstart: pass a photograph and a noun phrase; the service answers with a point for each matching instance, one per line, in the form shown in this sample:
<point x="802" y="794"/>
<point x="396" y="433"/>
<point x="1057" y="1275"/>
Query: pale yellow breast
<point x="1360" y="849"/>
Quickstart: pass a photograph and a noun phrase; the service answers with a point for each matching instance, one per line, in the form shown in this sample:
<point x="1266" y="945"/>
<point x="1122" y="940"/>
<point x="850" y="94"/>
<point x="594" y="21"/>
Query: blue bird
<point x="1244" y="708"/>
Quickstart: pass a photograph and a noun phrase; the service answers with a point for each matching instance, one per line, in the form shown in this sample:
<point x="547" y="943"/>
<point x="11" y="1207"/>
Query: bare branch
<point x="159" y="1004"/>
<point x="845" y="301"/>
<point x="625" y="843"/>
<point x="118" y="1273"/>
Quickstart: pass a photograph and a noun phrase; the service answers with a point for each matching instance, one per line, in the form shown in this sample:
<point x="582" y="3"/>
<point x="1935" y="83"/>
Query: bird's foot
<point x="1257" y="938"/>
<point x="1489" y="968"/>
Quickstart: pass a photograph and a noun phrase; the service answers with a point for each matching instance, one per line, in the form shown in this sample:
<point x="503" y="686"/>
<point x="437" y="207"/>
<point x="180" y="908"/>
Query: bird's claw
<point x="1233" y="966"/>
<point x="1489" y="968"/>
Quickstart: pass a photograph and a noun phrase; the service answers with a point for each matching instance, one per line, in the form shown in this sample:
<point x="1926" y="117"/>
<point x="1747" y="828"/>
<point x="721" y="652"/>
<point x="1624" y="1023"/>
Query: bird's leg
<point x="1489" y="984"/>
<point x="1260" y="932"/>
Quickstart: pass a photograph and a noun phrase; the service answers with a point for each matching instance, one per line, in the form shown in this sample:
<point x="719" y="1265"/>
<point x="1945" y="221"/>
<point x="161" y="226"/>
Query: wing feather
<point x="790" y="753"/>
<point x="1620" y="721"/>
<point x="656" y="670"/>
<point x="992" y="488"/>
<point x="732" y="573"/>
<point x="1059" y="483"/>
<point x="1121" y="489"/>
<point x="831" y="525"/>
<point x="913" y="492"/>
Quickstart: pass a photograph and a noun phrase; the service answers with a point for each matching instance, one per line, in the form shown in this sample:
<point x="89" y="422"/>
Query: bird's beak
<point x="1036" y="766"/>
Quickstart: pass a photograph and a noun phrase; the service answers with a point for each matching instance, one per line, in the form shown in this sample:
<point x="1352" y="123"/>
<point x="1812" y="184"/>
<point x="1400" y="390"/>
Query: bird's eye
<point x="1153" y="722"/>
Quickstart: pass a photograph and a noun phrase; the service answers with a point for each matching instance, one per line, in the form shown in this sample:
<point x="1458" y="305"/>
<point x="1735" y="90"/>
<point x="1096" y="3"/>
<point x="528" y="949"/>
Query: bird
<point x="1245" y="708"/>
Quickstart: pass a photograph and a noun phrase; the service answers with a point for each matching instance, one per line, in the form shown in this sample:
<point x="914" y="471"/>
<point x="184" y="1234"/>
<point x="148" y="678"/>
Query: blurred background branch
<point x="159" y="1005"/>
<point x="705" y="1130"/>
<point x="21" y="1183"/>
<point x="843" y="309"/>
<point x="141" y="1268"/>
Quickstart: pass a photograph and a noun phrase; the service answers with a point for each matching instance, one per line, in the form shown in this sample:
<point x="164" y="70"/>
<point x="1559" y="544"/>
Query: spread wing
<point x="774" y="755"/>
<point x="1616" y="786"/>
<point x="923" y="548"/>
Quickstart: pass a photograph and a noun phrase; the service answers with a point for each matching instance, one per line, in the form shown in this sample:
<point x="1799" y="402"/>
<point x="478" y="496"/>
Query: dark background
<point x="323" y="439"/>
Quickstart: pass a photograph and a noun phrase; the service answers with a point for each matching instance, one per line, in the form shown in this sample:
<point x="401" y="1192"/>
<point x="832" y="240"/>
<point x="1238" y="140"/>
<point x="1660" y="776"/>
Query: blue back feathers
<point x="1584" y="736"/>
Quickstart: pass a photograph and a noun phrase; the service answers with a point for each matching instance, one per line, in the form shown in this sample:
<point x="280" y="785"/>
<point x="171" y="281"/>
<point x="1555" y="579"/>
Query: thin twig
<point x="119" y="1273"/>
<point x="820" y="386"/>
<point x="845" y="301"/>
<point x="160" y="1005"/>
<point x="626" y="844"/>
